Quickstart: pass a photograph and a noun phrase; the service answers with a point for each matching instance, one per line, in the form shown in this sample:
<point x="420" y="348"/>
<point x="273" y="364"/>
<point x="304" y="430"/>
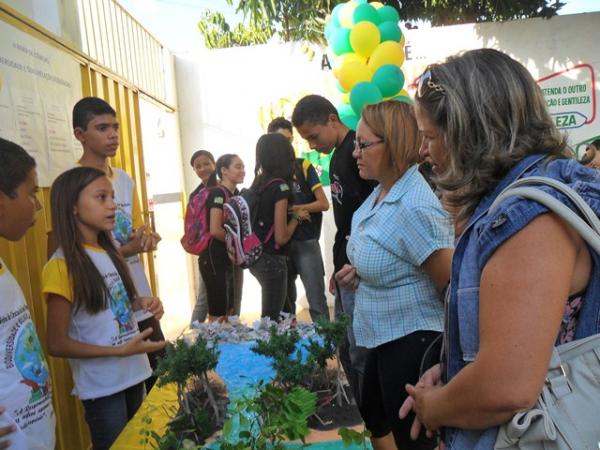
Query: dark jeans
<point x="389" y="367"/>
<point x="271" y="273"/>
<point x="107" y="416"/>
<point x="352" y="356"/>
<point x="305" y="260"/>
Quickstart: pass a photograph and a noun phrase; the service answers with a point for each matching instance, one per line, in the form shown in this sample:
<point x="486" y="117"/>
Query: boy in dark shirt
<point x="318" y="122"/>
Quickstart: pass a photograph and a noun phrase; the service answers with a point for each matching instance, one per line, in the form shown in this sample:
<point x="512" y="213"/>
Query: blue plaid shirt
<point x="388" y="243"/>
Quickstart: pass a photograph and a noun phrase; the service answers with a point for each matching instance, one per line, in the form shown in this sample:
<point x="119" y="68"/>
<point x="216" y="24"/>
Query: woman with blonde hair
<point x="400" y="249"/>
<point x="522" y="280"/>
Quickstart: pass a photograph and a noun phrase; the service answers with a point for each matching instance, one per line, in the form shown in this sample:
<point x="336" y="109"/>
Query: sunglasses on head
<point x="426" y="83"/>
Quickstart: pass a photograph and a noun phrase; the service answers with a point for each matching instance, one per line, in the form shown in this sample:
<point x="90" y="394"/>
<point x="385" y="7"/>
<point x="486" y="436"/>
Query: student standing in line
<point x="95" y="126"/>
<point x="223" y="281"/>
<point x="26" y="414"/>
<point x="203" y="163"/>
<point x="318" y="122"/>
<point x="305" y="257"/>
<point x="91" y="302"/>
<point x="273" y="177"/>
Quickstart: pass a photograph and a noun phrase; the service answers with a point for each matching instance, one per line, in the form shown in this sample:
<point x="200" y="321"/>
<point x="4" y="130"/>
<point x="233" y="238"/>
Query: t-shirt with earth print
<point x="25" y="384"/>
<point x="114" y="326"/>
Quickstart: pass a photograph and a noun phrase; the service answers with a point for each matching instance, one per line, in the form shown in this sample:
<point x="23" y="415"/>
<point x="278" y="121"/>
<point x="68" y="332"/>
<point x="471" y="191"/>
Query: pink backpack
<point x="196" y="227"/>
<point x="240" y="218"/>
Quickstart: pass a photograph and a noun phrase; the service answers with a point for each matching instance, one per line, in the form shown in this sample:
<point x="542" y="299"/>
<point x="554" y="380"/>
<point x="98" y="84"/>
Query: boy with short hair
<point x="25" y="385"/>
<point x="96" y="127"/>
<point x="318" y="122"/>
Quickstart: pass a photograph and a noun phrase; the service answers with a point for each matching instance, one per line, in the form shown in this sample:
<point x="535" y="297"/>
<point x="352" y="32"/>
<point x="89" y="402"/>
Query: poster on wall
<point x="571" y="99"/>
<point x="39" y="84"/>
<point x="559" y="53"/>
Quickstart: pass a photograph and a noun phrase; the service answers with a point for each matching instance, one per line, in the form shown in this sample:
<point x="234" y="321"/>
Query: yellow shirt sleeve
<point x="136" y="212"/>
<point x="56" y="280"/>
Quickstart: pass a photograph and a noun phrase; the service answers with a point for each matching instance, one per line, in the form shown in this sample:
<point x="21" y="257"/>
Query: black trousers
<point x="389" y="367"/>
<point x="216" y="269"/>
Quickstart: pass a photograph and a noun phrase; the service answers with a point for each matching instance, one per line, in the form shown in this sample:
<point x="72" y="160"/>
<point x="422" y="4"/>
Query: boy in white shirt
<point x="25" y="385"/>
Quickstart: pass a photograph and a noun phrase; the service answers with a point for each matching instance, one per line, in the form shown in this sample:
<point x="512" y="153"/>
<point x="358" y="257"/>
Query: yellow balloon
<point x="403" y="92"/>
<point x="376" y="5"/>
<point x="364" y="38"/>
<point x="346" y="13"/>
<point x="345" y="97"/>
<point x="346" y="58"/>
<point x="354" y="72"/>
<point x="388" y="52"/>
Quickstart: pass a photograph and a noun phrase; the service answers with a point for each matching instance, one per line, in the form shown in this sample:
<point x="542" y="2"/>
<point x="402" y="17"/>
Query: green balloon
<point x="344" y="109"/>
<point x="361" y="2"/>
<point x="404" y="99"/>
<point x="389" y="79"/>
<point x="365" y="13"/>
<point x="365" y="93"/>
<point x="351" y="121"/>
<point x="389" y="31"/>
<point x="340" y="41"/>
<point x="388" y="14"/>
<point x="329" y="29"/>
<point x="335" y="15"/>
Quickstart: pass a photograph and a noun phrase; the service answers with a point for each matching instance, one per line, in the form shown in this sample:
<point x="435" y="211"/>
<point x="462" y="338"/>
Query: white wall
<point x="545" y="47"/>
<point x="58" y="16"/>
<point x="164" y="180"/>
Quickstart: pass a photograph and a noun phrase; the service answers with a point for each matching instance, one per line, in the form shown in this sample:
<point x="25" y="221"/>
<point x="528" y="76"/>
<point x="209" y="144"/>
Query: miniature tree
<point x="292" y="369"/>
<point x="267" y="418"/>
<point x="185" y="365"/>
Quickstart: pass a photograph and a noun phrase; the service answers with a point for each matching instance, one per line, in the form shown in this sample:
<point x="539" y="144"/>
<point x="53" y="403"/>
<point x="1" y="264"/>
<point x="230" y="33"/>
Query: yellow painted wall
<point x="26" y="258"/>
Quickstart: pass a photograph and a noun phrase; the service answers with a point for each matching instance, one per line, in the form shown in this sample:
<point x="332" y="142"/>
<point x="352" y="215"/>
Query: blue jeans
<point x="201" y="307"/>
<point x="107" y="416"/>
<point x="305" y="260"/>
<point x="271" y="273"/>
<point x="352" y="357"/>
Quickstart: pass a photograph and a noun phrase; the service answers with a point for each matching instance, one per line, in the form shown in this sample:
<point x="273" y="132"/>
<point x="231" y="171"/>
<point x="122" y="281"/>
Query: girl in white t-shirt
<point x="91" y="303"/>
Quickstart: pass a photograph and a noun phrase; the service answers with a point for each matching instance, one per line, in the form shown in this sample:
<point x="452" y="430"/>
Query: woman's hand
<point x="347" y="277"/>
<point x="432" y="378"/>
<point x="152" y="304"/>
<point x="139" y="344"/>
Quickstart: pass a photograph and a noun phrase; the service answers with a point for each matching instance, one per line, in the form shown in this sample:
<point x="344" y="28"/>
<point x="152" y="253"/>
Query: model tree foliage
<point x="304" y="20"/>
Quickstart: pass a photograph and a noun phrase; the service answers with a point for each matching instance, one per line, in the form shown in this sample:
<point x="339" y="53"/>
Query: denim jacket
<point x="482" y="236"/>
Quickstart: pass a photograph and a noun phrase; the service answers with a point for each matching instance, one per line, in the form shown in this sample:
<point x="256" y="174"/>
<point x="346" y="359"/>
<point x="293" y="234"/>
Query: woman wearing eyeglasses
<point x="400" y="249"/>
<point x="522" y="280"/>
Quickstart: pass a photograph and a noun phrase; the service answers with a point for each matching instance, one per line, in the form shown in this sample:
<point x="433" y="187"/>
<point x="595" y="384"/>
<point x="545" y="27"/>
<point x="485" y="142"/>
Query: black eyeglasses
<point x="425" y="82"/>
<point x="364" y="145"/>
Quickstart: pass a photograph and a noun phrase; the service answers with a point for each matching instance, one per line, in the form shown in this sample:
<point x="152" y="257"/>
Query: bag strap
<point x="589" y="231"/>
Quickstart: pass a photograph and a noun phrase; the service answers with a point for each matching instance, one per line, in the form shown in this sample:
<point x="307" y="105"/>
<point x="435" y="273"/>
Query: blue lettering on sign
<point x="567" y="120"/>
